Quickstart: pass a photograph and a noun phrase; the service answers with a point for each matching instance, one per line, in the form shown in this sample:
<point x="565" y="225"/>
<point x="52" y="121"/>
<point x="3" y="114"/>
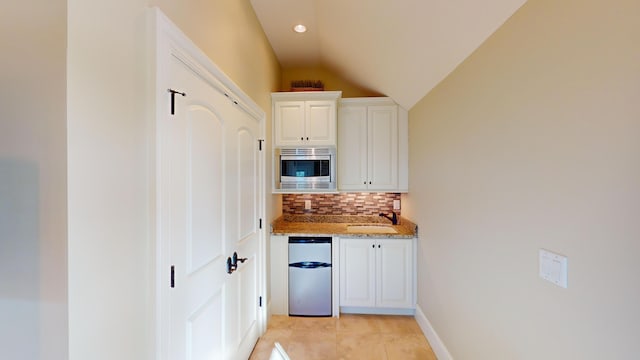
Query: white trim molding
<point x="429" y="332"/>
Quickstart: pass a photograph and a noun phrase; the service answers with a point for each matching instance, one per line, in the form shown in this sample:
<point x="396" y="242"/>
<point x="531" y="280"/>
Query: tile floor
<point x="371" y="337"/>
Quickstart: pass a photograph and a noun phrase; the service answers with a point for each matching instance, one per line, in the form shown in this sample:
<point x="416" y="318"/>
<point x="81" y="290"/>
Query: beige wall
<point x="33" y="181"/>
<point x="109" y="247"/>
<point x="330" y="79"/>
<point x="533" y="143"/>
<point x="110" y="250"/>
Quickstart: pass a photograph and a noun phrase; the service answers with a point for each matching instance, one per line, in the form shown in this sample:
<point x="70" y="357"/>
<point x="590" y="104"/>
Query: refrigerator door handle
<point x="310" y="265"/>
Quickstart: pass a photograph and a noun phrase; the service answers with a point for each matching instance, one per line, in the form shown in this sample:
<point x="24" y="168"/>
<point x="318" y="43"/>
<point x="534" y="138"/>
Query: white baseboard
<point x="375" y="311"/>
<point x="434" y="340"/>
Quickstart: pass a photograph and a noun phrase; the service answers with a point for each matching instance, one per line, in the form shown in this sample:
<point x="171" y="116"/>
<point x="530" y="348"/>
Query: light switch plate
<point x="553" y="267"/>
<point x="307" y="204"/>
<point x="396" y="204"/>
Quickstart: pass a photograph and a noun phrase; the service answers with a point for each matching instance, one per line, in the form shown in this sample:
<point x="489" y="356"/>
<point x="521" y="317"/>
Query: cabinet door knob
<point x="301" y="138"/>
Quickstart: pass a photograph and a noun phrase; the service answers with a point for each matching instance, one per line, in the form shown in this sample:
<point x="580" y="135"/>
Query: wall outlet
<point x="307" y="204"/>
<point x="553" y="267"/>
<point x="396" y="204"/>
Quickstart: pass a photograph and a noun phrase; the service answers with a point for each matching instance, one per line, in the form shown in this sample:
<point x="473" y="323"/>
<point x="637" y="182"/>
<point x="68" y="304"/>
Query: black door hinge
<point x="260" y="301"/>
<point x="173" y="276"/>
<point x="260" y="224"/>
<point x="260" y="141"/>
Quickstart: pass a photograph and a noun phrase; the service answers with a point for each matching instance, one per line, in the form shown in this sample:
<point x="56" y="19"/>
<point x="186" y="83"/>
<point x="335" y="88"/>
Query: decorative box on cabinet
<point x="372" y="145"/>
<point x="305" y="118"/>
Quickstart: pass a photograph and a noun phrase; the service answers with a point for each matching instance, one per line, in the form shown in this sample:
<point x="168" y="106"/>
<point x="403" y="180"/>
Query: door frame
<point x="165" y="41"/>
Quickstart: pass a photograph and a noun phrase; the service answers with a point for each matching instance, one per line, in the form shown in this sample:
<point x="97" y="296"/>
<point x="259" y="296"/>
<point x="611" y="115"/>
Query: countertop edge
<point x="405" y="230"/>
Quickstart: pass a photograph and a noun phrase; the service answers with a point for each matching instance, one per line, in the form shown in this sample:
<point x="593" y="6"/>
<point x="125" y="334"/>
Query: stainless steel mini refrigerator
<point x="309" y="276"/>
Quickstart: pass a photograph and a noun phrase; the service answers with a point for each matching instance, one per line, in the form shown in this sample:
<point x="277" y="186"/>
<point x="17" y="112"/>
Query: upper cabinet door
<point x="305" y="119"/>
<point x="320" y="122"/>
<point x="289" y="124"/>
<point x="383" y="147"/>
<point x="372" y="145"/>
<point x="352" y="148"/>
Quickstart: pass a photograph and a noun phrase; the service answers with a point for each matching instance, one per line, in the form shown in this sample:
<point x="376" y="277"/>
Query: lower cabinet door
<point x="357" y="272"/>
<point x="394" y="269"/>
<point x="376" y="273"/>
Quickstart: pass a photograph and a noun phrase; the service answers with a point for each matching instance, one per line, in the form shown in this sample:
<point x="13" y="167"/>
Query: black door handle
<point x="232" y="262"/>
<point x="230" y="267"/>
<point x="235" y="259"/>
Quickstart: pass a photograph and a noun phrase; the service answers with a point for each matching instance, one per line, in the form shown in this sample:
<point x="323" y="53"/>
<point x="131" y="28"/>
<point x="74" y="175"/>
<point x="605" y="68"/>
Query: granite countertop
<point x="331" y="225"/>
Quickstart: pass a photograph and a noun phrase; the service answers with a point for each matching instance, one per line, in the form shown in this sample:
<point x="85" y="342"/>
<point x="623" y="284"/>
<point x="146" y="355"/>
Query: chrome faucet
<point x="393" y="217"/>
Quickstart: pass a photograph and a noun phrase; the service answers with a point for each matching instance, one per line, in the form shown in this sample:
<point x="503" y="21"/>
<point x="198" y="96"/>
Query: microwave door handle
<point x="304" y="157"/>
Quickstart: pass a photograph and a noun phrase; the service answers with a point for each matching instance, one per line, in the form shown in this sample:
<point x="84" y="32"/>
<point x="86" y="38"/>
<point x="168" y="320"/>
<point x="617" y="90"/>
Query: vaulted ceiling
<point x="400" y="48"/>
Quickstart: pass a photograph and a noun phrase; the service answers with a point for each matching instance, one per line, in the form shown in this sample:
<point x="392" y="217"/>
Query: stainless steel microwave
<point x="308" y="168"/>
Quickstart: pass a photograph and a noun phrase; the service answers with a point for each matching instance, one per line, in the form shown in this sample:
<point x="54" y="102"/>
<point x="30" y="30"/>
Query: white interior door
<point x="242" y="218"/>
<point x="209" y="206"/>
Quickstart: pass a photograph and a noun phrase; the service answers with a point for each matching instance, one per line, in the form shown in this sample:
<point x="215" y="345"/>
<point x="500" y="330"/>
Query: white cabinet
<point x="376" y="274"/>
<point x="305" y="118"/>
<point x="279" y="280"/>
<point x="357" y="272"/>
<point x="372" y="145"/>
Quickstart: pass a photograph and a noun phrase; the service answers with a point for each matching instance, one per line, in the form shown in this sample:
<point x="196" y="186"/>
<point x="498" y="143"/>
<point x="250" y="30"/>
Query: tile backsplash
<point x="358" y="204"/>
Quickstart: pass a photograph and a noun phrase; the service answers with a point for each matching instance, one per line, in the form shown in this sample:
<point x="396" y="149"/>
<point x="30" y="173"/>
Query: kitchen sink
<point x="371" y="229"/>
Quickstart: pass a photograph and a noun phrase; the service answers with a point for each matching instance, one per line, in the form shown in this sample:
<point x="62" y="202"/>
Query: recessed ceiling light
<point x="300" y="28"/>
